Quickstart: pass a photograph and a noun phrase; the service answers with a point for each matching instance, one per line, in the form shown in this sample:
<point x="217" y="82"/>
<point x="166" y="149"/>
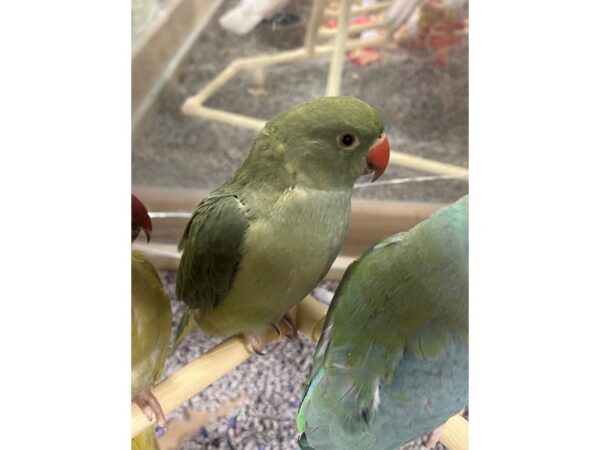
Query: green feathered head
<point x="325" y="143"/>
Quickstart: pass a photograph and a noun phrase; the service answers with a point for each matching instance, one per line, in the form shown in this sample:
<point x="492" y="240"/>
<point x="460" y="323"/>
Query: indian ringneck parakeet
<point x="392" y="362"/>
<point x="150" y="329"/>
<point x="263" y="240"/>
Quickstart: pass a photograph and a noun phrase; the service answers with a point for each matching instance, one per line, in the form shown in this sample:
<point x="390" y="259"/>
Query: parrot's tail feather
<point x="186" y="325"/>
<point x="146" y="440"/>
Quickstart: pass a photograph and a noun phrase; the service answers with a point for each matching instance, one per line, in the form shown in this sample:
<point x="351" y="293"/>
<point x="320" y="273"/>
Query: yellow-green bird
<point x="263" y="240"/>
<point x="150" y="329"/>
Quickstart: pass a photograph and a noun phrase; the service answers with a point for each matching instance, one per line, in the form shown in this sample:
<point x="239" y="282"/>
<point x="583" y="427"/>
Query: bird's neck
<point x="272" y="163"/>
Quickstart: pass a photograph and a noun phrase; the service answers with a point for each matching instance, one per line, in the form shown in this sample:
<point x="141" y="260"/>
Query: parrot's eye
<point x="347" y="141"/>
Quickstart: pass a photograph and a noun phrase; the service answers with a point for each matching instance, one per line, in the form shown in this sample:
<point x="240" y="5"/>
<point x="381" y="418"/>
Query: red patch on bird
<point x="140" y="219"/>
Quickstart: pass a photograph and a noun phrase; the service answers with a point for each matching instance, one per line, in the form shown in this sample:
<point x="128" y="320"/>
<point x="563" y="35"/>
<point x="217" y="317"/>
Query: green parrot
<point x="263" y="240"/>
<point x="150" y="330"/>
<point x="392" y="362"/>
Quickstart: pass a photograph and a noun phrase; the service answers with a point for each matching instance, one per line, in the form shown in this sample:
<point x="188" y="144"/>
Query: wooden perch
<point x="196" y="376"/>
<point x="203" y="371"/>
<point x="456" y="433"/>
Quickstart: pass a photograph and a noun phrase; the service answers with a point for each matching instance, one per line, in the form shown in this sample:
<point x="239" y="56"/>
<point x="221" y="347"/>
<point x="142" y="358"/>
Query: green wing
<point x="325" y="339"/>
<point x="212" y="250"/>
<point x="321" y="348"/>
<point x="325" y="347"/>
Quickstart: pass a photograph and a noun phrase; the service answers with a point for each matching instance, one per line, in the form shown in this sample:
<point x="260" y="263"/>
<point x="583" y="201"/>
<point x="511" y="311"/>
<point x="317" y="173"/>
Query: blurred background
<point x="415" y="73"/>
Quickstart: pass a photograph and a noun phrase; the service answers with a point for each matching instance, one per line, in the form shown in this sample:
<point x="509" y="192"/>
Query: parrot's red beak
<point x="378" y="157"/>
<point x="139" y="219"/>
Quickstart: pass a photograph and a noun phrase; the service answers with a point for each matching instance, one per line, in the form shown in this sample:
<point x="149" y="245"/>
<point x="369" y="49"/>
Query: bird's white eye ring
<point x="348" y="141"/>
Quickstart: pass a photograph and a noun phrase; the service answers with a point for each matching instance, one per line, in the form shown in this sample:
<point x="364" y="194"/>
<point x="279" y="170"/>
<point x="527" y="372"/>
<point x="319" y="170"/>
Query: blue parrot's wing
<point x="321" y="350"/>
<point x="323" y="343"/>
<point x="212" y="251"/>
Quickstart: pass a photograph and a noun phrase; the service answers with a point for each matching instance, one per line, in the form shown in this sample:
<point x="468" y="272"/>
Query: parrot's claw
<point x="254" y="343"/>
<point x="285" y="327"/>
<point x="434" y="437"/>
<point x="150" y="406"/>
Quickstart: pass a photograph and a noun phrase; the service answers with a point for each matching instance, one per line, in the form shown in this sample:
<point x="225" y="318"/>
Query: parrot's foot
<point x="254" y="343"/>
<point x="150" y="406"/>
<point x="434" y="437"/>
<point x="285" y="327"/>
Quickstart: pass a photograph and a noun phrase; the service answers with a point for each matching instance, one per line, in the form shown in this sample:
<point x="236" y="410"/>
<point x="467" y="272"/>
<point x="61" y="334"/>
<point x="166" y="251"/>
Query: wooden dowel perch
<point x="205" y="370"/>
<point x="456" y="433"/>
<point x="196" y="376"/>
